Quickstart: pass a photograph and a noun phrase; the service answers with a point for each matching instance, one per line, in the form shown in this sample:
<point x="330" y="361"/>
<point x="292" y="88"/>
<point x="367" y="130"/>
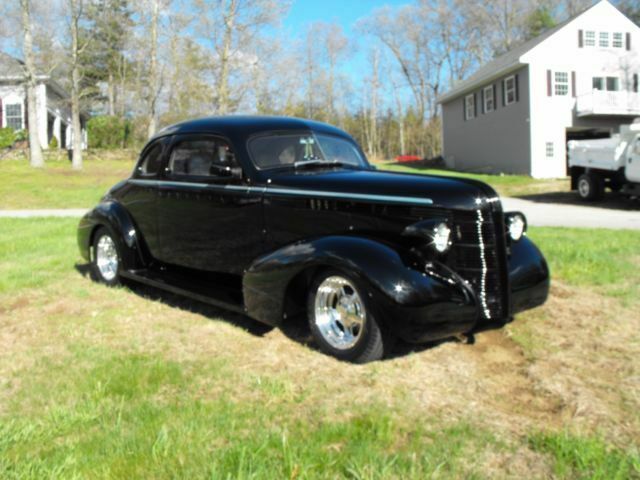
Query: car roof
<point x="247" y="125"/>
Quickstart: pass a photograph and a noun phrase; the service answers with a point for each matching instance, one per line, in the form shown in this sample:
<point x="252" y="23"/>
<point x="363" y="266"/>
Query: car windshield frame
<point x="363" y="163"/>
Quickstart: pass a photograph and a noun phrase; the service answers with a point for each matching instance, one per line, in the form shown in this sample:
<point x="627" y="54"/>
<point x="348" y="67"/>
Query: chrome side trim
<point x="287" y="191"/>
<point x="483" y="262"/>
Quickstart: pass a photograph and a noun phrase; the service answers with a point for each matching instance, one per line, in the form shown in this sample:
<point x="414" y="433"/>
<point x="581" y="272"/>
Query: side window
<point x="636" y="146"/>
<point x="150" y="163"/>
<point x="202" y="157"/>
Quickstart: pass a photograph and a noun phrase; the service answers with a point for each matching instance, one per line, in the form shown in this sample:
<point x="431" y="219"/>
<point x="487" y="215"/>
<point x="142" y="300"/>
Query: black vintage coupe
<point x="274" y="217"/>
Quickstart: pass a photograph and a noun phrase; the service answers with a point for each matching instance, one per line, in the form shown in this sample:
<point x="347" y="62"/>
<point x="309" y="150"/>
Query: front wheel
<point x="342" y="319"/>
<point x="106" y="261"/>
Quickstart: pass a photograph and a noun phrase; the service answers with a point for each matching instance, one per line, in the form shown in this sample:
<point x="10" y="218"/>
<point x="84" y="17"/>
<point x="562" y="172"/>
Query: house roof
<point x="503" y="64"/>
<point x="12" y="69"/>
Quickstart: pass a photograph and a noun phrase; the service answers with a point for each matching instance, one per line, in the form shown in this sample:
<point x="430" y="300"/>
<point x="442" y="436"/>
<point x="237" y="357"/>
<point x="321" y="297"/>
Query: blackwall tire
<point x="106" y="261"/>
<point x="590" y="187"/>
<point x="342" y="319"/>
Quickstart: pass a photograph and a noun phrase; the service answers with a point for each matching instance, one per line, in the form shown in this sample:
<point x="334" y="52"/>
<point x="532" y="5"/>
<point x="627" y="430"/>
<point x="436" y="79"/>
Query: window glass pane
<point x="590" y="38"/>
<point x="151" y="162"/>
<point x="470" y="107"/>
<point x="561" y="86"/>
<point x="510" y="90"/>
<point x="488" y="99"/>
<point x="275" y="151"/>
<point x="604" y="39"/>
<point x="201" y="157"/>
<point x="13" y="115"/>
<point x="617" y="40"/>
<point x="598" y="83"/>
<point x="613" y="84"/>
<point x="549" y="149"/>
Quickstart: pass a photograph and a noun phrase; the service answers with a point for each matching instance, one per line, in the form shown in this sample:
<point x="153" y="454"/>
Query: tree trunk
<point x="223" y="81"/>
<point x="111" y="93"/>
<point x="153" y="71"/>
<point x="76" y="157"/>
<point x="35" y="152"/>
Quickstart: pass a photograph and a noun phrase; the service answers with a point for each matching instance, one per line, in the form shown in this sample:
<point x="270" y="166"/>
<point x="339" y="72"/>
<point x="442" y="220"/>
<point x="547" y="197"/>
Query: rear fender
<point x="117" y="219"/>
<point x="390" y="279"/>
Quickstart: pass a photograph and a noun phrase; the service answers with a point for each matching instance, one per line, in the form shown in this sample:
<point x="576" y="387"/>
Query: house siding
<point x="492" y="142"/>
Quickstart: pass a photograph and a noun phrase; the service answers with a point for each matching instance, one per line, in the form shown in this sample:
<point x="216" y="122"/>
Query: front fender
<point x="405" y="294"/>
<point x="528" y="276"/>
<point x="117" y="219"/>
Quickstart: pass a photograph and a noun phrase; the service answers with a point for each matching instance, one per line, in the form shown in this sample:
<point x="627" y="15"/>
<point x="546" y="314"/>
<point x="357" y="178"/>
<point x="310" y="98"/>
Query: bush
<point x="7" y="137"/>
<point x="107" y="131"/>
<point x="53" y="144"/>
<point x="21" y="135"/>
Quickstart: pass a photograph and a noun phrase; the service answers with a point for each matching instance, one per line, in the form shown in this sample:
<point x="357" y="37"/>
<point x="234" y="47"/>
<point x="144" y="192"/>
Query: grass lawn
<point x="109" y="383"/>
<point x="57" y="186"/>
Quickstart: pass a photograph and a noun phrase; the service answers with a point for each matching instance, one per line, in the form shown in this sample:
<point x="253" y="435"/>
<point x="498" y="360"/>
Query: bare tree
<point x="154" y="87"/>
<point x="35" y="151"/>
<point x="76" y="8"/>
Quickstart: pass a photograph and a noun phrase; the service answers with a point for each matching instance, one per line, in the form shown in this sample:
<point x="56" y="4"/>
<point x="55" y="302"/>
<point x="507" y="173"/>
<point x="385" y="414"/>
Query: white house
<point x="54" y="113"/>
<point x="516" y="113"/>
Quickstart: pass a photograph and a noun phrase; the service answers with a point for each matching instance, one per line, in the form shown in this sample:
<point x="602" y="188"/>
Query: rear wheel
<point x="590" y="187"/>
<point x="341" y="319"/>
<point x="106" y="261"/>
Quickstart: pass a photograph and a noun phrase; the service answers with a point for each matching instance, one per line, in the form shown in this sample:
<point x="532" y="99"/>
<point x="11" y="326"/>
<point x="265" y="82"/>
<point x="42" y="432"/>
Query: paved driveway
<point x="550" y="214"/>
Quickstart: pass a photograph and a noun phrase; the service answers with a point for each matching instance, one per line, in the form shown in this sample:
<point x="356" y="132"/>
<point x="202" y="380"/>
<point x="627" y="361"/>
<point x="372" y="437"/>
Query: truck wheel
<point x="341" y="319"/>
<point x="590" y="187"/>
<point x="106" y="262"/>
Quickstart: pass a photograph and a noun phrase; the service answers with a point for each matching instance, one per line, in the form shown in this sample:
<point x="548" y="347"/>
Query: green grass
<point x="83" y="397"/>
<point x="506" y="185"/>
<point x="586" y="458"/>
<point x="57" y="185"/>
<point x="607" y="259"/>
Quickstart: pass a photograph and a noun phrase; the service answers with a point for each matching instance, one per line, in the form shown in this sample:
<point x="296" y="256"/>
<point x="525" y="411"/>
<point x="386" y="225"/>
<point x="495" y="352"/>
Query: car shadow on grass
<point x="611" y="200"/>
<point x="296" y="328"/>
<point x="187" y="304"/>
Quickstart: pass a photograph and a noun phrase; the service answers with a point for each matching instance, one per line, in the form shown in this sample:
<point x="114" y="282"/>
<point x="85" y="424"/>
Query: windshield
<point x="303" y="149"/>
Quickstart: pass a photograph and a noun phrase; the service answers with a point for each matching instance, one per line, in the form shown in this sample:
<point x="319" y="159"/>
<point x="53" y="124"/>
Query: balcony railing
<point x="599" y="102"/>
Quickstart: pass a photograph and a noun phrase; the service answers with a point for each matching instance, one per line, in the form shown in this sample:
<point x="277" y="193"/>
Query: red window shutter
<point x="628" y="41"/>
<point x="25" y="113"/>
<point x="580" y="36"/>
<point x="573" y="84"/>
<point x="515" y="79"/>
<point x="495" y="97"/>
<point x="504" y="92"/>
<point x="482" y="101"/>
<point x="548" y="83"/>
<point x="475" y="104"/>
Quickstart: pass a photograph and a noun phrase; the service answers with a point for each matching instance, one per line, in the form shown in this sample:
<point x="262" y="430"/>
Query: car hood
<point x="374" y="185"/>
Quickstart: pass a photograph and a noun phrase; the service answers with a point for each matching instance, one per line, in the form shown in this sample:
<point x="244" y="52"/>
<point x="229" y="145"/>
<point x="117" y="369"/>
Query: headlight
<point x="441" y="237"/>
<point x="516" y="225"/>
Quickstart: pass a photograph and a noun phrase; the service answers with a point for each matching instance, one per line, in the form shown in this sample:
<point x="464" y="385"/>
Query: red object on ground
<point x="407" y="158"/>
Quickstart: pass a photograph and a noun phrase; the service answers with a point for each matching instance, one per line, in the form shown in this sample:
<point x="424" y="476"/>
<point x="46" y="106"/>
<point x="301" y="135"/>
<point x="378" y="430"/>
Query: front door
<point x="632" y="170"/>
<point x="208" y="216"/>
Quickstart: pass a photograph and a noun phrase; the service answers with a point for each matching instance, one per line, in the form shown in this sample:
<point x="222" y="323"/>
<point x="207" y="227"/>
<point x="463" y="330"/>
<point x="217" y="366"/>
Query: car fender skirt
<point x="115" y="217"/>
<point x="528" y="276"/>
<point x="415" y="304"/>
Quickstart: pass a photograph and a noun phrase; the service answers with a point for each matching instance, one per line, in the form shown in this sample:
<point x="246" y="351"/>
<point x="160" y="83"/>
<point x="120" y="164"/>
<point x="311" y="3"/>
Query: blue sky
<point x="344" y="12"/>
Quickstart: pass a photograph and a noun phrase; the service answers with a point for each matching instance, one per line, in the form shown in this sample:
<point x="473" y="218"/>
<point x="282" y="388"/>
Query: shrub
<point x="7" y="137"/>
<point x="21" y="135"/>
<point x="53" y="144"/>
<point x="107" y="131"/>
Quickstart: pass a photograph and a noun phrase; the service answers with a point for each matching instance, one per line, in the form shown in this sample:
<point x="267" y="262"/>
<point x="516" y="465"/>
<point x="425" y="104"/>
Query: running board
<point x="223" y="297"/>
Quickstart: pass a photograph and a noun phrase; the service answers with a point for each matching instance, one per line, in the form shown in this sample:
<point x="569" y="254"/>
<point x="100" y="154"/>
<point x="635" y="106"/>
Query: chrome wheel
<point x="339" y="312"/>
<point x="583" y="187"/>
<point x="107" y="258"/>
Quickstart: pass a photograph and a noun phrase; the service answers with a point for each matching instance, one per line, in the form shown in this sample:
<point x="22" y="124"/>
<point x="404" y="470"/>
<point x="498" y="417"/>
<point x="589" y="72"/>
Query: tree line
<point x="139" y="65"/>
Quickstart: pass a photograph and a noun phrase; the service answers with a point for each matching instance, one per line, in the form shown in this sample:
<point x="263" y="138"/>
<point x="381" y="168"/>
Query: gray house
<point x="52" y="101"/>
<point x="516" y="113"/>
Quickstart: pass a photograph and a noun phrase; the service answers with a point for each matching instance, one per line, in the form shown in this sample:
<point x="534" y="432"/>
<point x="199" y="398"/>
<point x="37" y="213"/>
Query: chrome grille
<point x="478" y="256"/>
